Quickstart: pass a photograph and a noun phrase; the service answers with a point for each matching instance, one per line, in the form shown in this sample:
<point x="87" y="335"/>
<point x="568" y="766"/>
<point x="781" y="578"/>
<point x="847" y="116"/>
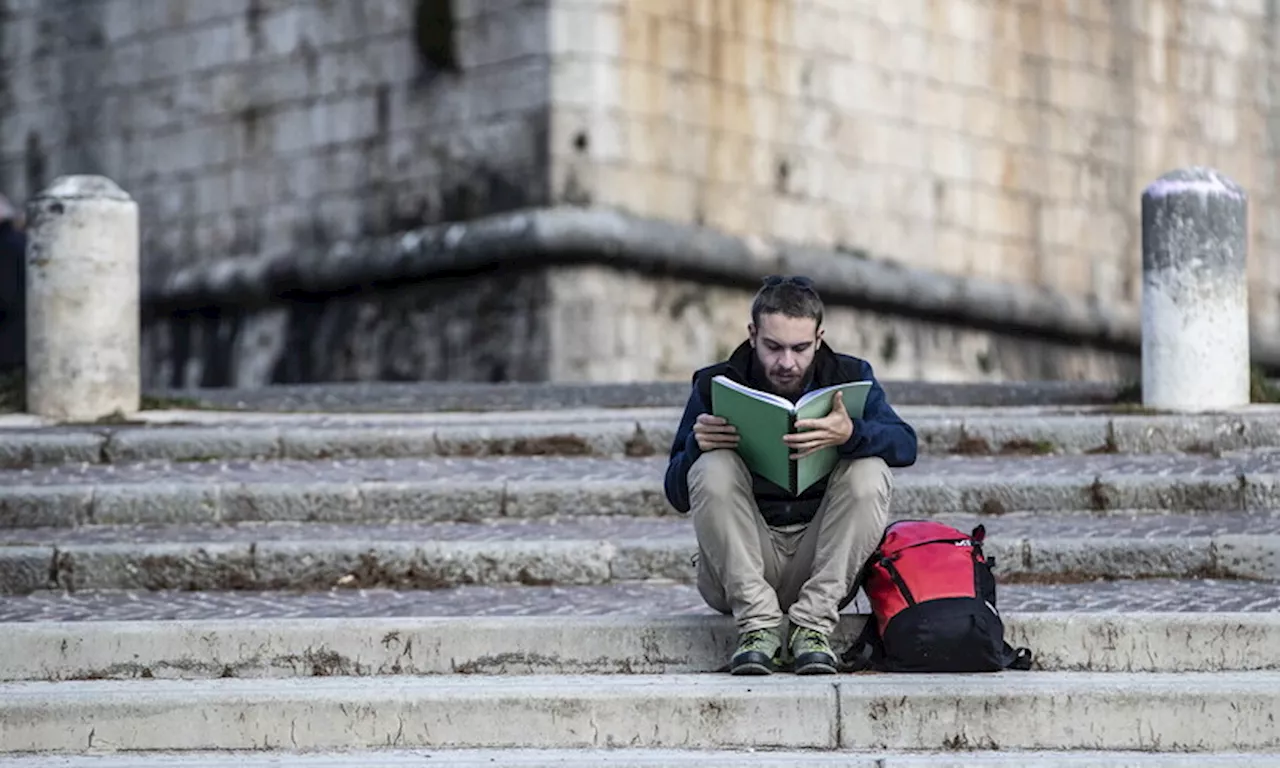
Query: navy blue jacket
<point x="880" y="432"/>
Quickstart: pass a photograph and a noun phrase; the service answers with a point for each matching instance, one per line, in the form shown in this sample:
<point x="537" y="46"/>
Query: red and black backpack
<point x="933" y="604"/>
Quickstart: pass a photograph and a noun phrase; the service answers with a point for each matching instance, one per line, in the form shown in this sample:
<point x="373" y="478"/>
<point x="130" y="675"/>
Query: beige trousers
<point x="758" y="573"/>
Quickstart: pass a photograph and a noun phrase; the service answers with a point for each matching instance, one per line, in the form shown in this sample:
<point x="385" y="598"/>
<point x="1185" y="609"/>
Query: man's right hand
<point x="713" y="432"/>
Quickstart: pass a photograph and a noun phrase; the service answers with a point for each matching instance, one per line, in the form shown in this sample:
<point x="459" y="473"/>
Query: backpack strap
<point x="866" y="650"/>
<point x="1018" y="658"/>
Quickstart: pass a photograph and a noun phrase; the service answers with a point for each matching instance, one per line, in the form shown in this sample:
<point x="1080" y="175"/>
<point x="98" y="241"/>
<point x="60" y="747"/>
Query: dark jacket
<point x="881" y="432"/>
<point x="13" y="291"/>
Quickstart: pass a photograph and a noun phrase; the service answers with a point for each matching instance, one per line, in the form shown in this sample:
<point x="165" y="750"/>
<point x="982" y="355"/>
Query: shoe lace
<point x="757" y="640"/>
<point x="810" y="639"/>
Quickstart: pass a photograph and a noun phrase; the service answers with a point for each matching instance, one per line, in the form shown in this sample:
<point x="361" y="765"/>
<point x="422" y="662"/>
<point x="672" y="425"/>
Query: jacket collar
<point x="745" y="368"/>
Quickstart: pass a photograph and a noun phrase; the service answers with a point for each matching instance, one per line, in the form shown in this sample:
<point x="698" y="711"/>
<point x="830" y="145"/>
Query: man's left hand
<point x="833" y="429"/>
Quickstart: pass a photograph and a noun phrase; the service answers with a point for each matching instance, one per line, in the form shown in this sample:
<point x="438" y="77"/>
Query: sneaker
<point x="759" y="653"/>
<point x="812" y="652"/>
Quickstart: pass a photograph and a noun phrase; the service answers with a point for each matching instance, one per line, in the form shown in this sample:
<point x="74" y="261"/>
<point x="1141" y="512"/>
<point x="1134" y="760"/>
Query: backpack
<point x="933" y="605"/>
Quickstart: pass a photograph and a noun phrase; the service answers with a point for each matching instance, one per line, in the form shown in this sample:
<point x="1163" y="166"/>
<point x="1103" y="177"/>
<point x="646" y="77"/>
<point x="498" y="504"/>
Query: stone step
<point x="1152" y="712"/>
<point x="563" y="644"/>
<point x="652" y="758"/>
<point x="579" y="551"/>
<point x="376" y="490"/>
<point x="632" y="599"/>
<point x="205" y="436"/>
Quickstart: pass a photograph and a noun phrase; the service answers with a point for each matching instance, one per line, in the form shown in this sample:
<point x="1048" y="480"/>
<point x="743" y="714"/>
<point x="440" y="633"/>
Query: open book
<point x="762" y="418"/>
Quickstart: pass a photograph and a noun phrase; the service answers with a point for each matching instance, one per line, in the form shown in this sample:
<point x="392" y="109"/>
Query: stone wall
<point x="610" y="325"/>
<point x="992" y="139"/>
<point x="998" y="138"/>
<point x="251" y="128"/>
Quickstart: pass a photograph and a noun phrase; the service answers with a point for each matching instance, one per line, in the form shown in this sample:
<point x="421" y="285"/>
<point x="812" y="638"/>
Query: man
<point x="763" y="554"/>
<point x="13" y="305"/>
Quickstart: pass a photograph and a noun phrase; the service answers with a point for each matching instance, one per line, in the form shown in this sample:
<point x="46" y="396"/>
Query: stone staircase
<point x="208" y="588"/>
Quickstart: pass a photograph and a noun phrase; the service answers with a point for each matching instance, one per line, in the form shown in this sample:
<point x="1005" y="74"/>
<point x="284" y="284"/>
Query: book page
<point x="768" y="397"/>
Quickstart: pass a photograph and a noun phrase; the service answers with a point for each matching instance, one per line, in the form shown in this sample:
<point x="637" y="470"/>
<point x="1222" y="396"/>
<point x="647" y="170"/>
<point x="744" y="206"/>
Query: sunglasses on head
<point x="772" y="281"/>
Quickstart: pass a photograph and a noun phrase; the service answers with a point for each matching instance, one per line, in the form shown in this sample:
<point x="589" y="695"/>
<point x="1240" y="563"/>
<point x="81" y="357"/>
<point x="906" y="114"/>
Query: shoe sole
<point x="816" y="668"/>
<point x="751" y="668"/>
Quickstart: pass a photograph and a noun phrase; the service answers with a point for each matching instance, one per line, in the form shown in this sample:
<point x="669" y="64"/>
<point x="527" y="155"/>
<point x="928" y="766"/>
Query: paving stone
<point x="33" y="449"/>
<point x="158" y="566"/>
<point x="621" y="599"/>
<point x="1202" y="434"/>
<point x="26" y="568"/>
<point x="1035" y="436"/>
<point x="321" y="501"/>
<point x="35" y="505"/>
<point x="193" y="443"/>
<point x="157" y="503"/>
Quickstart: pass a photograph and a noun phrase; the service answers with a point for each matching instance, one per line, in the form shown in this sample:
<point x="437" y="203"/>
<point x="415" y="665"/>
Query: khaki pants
<point x="758" y="573"/>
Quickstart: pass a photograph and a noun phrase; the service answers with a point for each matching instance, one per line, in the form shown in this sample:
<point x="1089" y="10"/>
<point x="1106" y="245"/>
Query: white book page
<point x="818" y="393"/>
<point x="757" y="394"/>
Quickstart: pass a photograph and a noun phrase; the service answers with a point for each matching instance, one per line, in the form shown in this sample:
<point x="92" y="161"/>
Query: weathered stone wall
<point x="458" y="329"/>
<point x="1002" y="138"/>
<point x="260" y="127"/>
<point x="999" y="139"/>
<point x="609" y="325"/>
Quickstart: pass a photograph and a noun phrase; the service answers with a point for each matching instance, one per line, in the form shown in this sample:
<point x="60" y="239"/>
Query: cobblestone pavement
<point x="570" y="470"/>
<point x="623" y="528"/>
<point x="636" y="599"/>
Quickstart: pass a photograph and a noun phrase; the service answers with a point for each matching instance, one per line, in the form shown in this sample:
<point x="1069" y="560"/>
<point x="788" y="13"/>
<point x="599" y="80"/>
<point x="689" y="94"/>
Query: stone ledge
<point x="538" y="238"/>
<point x="444" y="397"/>
<point x="365" y="560"/>
<point x="602" y="433"/>
<point x="659" y="758"/>
<point x="559" y="645"/>
<point x="1178" y="712"/>
<point x="177" y="502"/>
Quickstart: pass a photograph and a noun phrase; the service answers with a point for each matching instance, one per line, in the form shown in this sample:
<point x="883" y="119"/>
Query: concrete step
<point x="563" y="644"/>
<point x="652" y="758"/>
<point x="1153" y="712"/>
<point x="206" y="436"/>
<point x="580" y="551"/>
<point x="376" y="490"/>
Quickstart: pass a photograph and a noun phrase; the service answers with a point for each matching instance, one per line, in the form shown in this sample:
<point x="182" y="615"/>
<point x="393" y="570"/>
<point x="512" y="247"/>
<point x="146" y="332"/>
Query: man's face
<point x="785" y="347"/>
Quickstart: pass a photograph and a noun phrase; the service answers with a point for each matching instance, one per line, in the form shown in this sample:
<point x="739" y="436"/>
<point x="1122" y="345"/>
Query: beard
<point x="787" y="382"/>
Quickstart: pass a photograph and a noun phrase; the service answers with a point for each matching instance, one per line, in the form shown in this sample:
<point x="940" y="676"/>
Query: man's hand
<point x="833" y="429"/>
<point x="713" y="432"/>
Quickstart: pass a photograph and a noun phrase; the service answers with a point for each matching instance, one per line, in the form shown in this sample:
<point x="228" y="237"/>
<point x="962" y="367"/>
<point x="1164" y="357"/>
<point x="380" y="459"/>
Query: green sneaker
<point x="812" y="652"/>
<point x="759" y="653"/>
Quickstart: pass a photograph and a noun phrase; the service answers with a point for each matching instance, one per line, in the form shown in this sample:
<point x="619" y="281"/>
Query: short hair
<point x="793" y="296"/>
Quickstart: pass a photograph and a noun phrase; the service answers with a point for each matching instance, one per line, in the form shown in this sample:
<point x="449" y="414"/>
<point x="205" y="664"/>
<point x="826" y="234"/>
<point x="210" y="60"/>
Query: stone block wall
<point x="253" y="128"/>
<point x="1003" y="140"/>
<point x="1008" y="139"/>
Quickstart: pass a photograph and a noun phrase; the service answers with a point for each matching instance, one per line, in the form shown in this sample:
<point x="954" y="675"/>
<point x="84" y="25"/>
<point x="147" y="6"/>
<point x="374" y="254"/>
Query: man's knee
<point x="717" y="474"/>
<point x="867" y="484"/>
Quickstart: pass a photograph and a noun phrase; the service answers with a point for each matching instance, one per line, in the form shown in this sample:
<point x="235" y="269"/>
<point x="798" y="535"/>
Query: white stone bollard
<point x="83" y="336"/>
<point x="1195" y="292"/>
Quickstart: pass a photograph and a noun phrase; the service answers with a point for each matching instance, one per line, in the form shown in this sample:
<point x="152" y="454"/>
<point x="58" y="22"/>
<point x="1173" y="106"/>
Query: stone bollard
<point x="83" y="336"/>
<point x="1195" y="297"/>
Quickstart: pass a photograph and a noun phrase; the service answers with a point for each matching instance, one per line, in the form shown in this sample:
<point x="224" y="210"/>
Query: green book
<point x="762" y="418"/>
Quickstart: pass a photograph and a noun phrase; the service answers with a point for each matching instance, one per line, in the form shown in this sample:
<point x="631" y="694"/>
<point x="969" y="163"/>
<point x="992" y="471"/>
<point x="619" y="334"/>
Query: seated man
<point x="761" y="552"/>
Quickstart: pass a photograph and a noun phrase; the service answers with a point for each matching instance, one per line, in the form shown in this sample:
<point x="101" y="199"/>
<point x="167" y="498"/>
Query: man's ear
<point x="751" y="334"/>
<point x="818" y="344"/>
